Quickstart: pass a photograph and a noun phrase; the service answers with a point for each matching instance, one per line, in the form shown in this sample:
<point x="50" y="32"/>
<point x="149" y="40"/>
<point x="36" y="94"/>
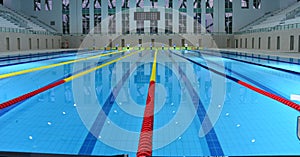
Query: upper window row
<point x="38" y="5"/>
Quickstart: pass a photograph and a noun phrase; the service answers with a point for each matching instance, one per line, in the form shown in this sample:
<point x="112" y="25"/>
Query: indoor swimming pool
<point x="201" y="103"/>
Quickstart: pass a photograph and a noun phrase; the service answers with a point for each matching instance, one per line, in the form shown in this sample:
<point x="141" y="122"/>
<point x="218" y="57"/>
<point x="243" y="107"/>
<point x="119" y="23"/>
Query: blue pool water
<point x="197" y="112"/>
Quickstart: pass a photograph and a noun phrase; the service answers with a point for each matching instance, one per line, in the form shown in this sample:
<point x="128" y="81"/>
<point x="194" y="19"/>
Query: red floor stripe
<point x="145" y="142"/>
<point x="29" y="95"/>
<point x="270" y="95"/>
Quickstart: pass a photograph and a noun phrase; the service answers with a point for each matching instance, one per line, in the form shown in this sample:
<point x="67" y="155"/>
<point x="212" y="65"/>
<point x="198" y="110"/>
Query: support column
<point x="119" y="16"/>
<point x="203" y="18"/>
<point x="104" y="14"/>
<point x="190" y="17"/>
<point x="92" y="17"/>
<point x="175" y="16"/>
<point x="161" y="23"/>
<point x="132" y="22"/>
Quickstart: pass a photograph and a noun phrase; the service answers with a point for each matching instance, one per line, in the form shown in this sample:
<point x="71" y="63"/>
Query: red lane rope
<point x="145" y="142"/>
<point x="31" y="94"/>
<point x="270" y="95"/>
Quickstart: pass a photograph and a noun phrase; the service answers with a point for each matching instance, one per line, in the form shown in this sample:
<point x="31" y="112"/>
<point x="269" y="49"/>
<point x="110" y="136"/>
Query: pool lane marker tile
<point x="57" y="83"/>
<point x="145" y="141"/>
<point x="258" y="90"/>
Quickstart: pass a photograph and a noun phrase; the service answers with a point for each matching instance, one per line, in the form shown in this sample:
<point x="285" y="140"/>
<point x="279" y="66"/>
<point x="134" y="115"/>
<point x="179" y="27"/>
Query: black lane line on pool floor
<point x="282" y="100"/>
<point x="212" y="140"/>
<point x="90" y="140"/>
<point x="246" y="78"/>
<point x="5" y="110"/>
<point x="248" y="62"/>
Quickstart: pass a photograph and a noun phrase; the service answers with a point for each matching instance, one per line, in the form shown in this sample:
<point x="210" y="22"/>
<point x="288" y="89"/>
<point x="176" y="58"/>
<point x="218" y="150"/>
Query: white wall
<point x="24" y="41"/>
<point x="284" y="40"/>
<point x="208" y="41"/>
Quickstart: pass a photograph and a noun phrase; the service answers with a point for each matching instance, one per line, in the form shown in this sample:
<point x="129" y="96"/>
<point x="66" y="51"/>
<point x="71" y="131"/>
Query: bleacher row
<point x="12" y="19"/>
<point x="289" y="15"/>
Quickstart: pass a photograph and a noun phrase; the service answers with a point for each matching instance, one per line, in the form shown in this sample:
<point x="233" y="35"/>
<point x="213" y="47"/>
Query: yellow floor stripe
<point x="153" y="73"/>
<point x="98" y="67"/>
<point x="54" y="65"/>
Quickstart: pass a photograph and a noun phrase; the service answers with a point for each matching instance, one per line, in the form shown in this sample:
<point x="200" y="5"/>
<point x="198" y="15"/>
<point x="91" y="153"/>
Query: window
<point x="168" y="22"/>
<point x="46" y="41"/>
<point x="140" y="27"/>
<point x="125" y="4"/>
<point x="29" y="43"/>
<point x="38" y="43"/>
<point x="182" y="16"/>
<point x="154" y="3"/>
<point x="182" y="42"/>
<point x="48" y="5"/>
<point x="292" y="42"/>
<point x="209" y="17"/>
<point x="66" y="16"/>
<point x="52" y="23"/>
<point x="241" y="43"/>
<point x="111" y="16"/>
<point x="228" y="23"/>
<point x="168" y="3"/>
<point x="170" y="42"/>
<point x="246" y="43"/>
<point x="278" y="42"/>
<point x="236" y="43"/>
<point x="182" y="22"/>
<point x="228" y="16"/>
<point x="209" y="21"/>
<point x="85" y="16"/>
<point x="97" y="16"/>
<point x="253" y="43"/>
<point x="7" y="44"/>
<point x="209" y="3"/>
<point x="153" y="27"/>
<point x="140" y="3"/>
<point x="245" y="4"/>
<point x="37" y="5"/>
<point x="197" y="16"/>
<point x="52" y="43"/>
<point x="125" y="22"/>
<point x="269" y="42"/>
<point x="259" y="42"/>
<point x="19" y="43"/>
<point x="256" y="4"/>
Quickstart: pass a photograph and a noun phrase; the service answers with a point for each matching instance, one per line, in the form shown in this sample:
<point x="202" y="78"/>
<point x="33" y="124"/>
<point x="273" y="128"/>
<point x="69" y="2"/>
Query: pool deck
<point x="295" y="55"/>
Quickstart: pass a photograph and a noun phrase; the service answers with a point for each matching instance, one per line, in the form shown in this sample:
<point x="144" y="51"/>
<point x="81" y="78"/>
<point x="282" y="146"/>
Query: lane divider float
<point x="146" y="135"/>
<point x="2" y="76"/>
<point x="258" y="90"/>
<point x="57" y="83"/>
